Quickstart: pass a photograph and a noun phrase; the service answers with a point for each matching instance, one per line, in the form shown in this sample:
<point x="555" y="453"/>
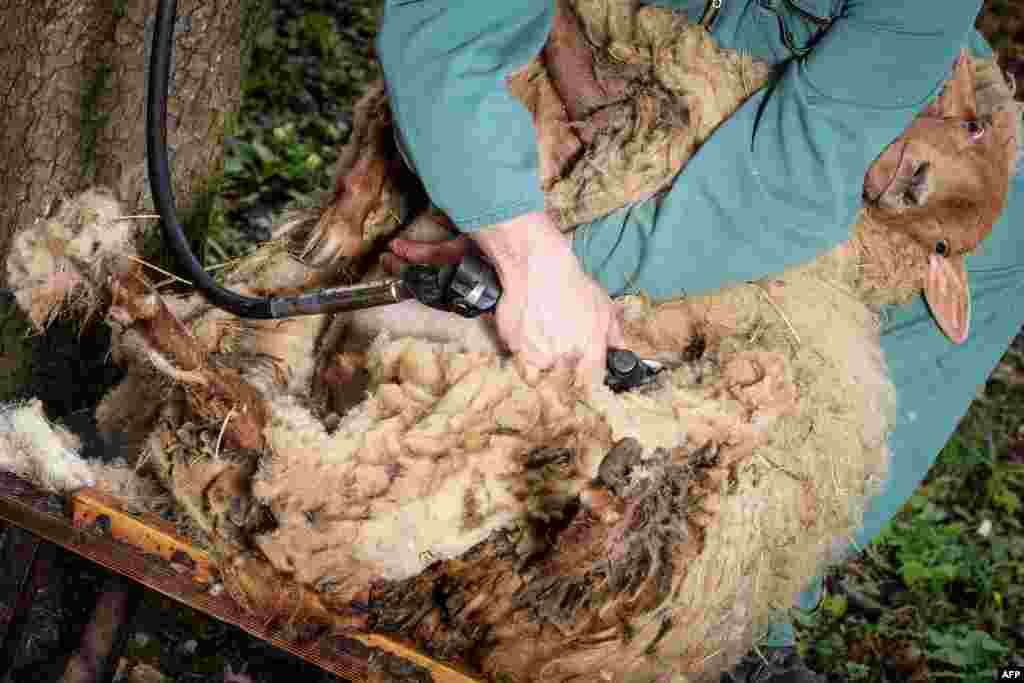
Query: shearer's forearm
<point x="781" y="181"/>
<point x="472" y="143"/>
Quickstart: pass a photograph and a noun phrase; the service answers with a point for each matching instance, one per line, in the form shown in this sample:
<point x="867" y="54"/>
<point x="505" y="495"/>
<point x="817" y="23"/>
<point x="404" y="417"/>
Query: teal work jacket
<point x="779" y="183"/>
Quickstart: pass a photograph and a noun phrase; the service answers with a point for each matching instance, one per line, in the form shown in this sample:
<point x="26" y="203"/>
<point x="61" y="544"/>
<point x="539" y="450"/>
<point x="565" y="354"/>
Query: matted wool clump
<point x="667" y="494"/>
<point x="35" y="450"/>
<point x="60" y="261"/>
<point x="395" y="470"/>
<point x="47" y="455"/>
<point x="660" y="86"/>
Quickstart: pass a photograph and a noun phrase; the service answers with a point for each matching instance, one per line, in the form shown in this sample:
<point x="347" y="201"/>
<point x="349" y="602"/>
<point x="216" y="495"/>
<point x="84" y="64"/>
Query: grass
<point x="934" y="596"/>
<point x="306" y="71"/>
<point x="937" y="596"/>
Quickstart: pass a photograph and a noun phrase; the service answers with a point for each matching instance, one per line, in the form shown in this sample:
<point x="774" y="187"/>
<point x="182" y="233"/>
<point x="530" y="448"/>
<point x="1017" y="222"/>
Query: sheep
<point x="503" y="517"/>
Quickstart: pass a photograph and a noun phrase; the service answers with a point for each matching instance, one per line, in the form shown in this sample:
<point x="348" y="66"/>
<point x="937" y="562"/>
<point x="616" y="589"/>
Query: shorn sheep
<point x="393" y="469"/>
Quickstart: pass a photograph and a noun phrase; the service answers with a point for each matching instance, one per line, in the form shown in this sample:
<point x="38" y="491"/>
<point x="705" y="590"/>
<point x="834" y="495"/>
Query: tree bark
<point x="73" y="98"/>
<point x="72" y="94"/>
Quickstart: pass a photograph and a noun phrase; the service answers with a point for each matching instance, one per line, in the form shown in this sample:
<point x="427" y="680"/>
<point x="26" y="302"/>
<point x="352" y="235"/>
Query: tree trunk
<point x="72" y="97"/>
<point x="72" y="93"/>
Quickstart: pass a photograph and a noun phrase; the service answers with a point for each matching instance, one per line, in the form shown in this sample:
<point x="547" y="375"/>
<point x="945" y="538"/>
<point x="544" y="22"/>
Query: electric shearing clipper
<point x="469" y="289"/>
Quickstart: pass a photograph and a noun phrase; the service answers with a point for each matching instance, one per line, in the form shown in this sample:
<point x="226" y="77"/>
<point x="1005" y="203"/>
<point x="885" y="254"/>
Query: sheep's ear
<point x="949" y="296"/>
<point x="957" y="99"/>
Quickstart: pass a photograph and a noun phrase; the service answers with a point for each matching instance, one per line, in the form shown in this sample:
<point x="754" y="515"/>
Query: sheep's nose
<point x="883" y="171"/>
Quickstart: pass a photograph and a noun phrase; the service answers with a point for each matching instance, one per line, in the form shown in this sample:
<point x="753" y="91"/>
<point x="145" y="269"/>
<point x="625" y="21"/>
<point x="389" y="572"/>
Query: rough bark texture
<point x="72" y="97"/>
<point x="72" y="93"/>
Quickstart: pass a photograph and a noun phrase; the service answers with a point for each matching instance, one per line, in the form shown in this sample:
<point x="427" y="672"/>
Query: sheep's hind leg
<point x="374" y="192"/>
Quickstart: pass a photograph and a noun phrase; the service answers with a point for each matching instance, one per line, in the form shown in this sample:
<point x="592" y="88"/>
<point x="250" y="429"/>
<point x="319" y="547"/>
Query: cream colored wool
<point x="678" y="86"/>
<point x="271" y="352"/>
<point x="46" y="455"/>
<point x="61" y="262"/>
<point x="811" y="416"/>
<point x="791" y="394"/>
<point x="37" y="451"/>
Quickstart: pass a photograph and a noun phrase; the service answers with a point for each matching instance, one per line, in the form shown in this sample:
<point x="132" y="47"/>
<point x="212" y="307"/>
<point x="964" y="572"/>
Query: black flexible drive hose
<point x="313" y="303"/>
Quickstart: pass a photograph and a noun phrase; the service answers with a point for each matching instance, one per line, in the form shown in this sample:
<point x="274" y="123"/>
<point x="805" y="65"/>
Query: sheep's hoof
<point x="230" y="501"/>
<point x="616" y="466"/>
<point x="374" y="192"/>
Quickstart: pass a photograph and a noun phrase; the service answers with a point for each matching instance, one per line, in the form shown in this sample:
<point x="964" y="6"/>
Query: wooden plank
<point x="93" y="509"/>
<point x="27" y="561"/>
<point x="336" y="653"/>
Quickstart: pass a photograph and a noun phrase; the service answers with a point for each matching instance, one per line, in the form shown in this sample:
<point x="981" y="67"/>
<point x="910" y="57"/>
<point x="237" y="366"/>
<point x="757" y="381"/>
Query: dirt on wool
<point x="639" y="92"/>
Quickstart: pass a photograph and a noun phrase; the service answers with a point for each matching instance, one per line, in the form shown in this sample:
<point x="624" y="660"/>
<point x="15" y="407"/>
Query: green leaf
<point x="857" y="671"/>
<point x="266" y="38"/>
<point x="835" y="605"/>
<point x="285" y="133"/>
<point x="984" y="642"/>
<point x="248" y="153"/>
<point x="1007" y="500"/>
<point x="313" y="162"/>
<point x="824" y="650"/>
<point x="803" y="619"/>
<point x="263" y="152"/>
<point x="232" y="166"/>
<point x="951" y="657"/>
<point x="915" y="573"/>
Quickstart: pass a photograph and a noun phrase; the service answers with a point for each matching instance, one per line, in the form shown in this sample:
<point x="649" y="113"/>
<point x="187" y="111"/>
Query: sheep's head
<point x="943" y="184"/>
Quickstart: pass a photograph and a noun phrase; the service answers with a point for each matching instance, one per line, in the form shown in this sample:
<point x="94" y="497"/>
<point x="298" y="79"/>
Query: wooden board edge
<point x="176" y="582"/>
<point x="93" y="509"/>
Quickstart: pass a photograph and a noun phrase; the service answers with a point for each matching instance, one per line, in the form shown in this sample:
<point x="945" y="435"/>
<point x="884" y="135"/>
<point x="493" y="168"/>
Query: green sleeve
<point x="782" y="179"/>
<point x="472" y="143"/>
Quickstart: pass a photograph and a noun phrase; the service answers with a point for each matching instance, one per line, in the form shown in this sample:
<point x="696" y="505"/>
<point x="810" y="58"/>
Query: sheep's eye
<point x="942" y="247"/>
<point x="975" y="129"/>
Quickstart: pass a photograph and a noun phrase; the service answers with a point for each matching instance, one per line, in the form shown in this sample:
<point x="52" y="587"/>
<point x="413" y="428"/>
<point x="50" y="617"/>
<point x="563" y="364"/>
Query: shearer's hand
<point x="550" y="311"/>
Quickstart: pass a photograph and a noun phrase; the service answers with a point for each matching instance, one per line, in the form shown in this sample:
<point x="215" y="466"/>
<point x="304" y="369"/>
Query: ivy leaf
<point x="915" y="573"/>
<point x="835" y="605"/>
<point x="232" y="165"/>
<point x="1004" y="498"/>
<point x="263" y="152"/>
